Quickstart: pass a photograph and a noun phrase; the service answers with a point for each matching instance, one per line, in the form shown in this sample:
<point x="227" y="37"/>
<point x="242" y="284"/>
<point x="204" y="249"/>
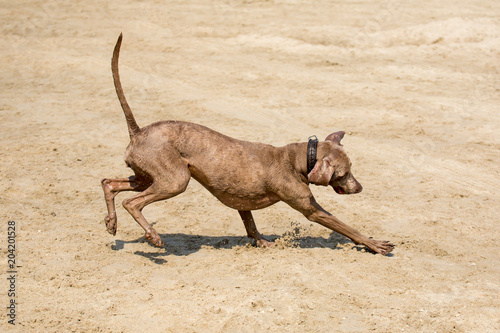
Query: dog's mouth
<point x="339" y="190"/>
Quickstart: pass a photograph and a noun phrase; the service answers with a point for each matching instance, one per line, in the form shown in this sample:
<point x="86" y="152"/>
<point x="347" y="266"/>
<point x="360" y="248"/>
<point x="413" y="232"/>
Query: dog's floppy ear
<point x="336" y="137"/>
<point x="322" y="172"/>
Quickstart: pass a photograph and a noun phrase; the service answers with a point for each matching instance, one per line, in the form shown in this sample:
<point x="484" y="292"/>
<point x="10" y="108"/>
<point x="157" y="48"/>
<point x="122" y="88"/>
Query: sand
<point x="415" y="85"/>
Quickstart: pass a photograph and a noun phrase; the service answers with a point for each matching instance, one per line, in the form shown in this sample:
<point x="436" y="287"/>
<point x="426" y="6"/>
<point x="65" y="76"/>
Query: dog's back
<point x="227" y="167"/>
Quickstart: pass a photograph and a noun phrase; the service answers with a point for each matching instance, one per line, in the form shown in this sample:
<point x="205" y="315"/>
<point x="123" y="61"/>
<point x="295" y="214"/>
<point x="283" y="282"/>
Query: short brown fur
<point x="243" y="175"/>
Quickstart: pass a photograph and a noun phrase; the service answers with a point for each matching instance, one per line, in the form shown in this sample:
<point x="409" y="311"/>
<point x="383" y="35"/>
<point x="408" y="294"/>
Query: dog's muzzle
<point x="352" y="187"/>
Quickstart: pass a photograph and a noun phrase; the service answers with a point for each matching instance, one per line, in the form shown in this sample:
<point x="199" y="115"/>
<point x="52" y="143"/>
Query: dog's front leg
<point x="314" y="212"/>
<point x="252" y="231"/>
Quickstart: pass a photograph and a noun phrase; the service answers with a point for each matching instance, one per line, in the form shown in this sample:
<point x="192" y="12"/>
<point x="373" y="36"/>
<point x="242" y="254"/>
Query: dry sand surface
<point x="415" y="84"/>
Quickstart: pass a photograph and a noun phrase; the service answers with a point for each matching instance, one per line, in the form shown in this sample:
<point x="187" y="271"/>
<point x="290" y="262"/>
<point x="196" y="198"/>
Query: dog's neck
<point x="297" y="155"/>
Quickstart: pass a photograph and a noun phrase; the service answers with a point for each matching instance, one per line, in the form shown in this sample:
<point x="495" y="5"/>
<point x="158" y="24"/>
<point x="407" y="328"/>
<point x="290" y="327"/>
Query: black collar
<point x="312" y="146"/>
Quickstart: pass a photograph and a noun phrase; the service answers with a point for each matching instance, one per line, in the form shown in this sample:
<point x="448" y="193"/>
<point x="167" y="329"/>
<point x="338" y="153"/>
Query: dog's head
<point x="333" y="167"/>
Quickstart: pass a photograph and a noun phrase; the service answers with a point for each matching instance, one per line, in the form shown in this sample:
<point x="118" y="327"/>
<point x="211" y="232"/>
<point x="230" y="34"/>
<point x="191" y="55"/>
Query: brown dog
<point x="242" y="175"/>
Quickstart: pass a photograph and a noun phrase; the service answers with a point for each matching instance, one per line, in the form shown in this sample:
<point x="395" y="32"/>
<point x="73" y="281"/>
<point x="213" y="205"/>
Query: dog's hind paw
<point x="111" y="224"/>
<point x="153" y="238"/>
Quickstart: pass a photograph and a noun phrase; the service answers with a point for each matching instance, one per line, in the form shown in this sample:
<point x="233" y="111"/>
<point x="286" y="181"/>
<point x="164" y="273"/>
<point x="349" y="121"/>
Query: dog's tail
<point x="133" y="128"/>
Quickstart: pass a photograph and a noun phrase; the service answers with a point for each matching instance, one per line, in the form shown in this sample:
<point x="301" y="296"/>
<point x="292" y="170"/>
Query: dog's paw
<point x="382" y="247"/>
<point x="264" y="243"/>
<point x="111" y="224"/>
<point x="154" y="239"/>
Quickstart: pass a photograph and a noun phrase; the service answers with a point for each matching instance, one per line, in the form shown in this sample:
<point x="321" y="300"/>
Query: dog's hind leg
<point x="160" y="189"/>
<point x="111" y="188"/>
<point x="252" y="231"/>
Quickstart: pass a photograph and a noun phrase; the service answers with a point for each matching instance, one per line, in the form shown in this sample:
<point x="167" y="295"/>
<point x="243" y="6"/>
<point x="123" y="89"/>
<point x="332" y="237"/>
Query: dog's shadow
<point x="185" y="244"/>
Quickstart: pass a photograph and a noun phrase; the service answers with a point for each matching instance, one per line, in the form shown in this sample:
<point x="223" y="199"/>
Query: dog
<point x="243" y="175"/>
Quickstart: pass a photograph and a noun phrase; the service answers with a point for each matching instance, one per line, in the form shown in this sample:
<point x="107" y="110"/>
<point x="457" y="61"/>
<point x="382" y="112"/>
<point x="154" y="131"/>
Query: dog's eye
<point x="341" y="177"/>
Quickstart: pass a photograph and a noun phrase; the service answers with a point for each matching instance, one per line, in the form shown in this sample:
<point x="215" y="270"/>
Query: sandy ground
<point x="415" y="84"/>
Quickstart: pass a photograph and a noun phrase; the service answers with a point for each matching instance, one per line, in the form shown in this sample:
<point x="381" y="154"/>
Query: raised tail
<point x="133" y="128"/>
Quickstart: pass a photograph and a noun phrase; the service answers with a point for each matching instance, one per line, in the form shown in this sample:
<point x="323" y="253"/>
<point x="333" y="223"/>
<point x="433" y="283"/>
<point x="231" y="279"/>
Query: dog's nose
<point x="354" y="186"/>
<point x="358" y="188"/>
